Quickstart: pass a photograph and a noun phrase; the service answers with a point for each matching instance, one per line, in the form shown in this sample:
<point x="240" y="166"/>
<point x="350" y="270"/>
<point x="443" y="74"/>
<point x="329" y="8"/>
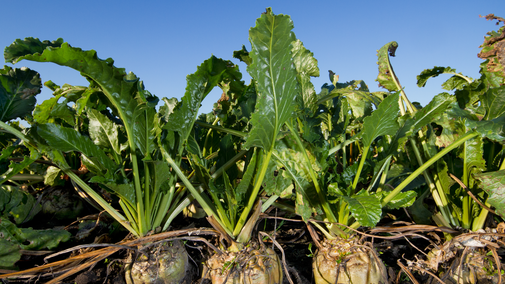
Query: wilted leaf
<point x="385" y="78"/>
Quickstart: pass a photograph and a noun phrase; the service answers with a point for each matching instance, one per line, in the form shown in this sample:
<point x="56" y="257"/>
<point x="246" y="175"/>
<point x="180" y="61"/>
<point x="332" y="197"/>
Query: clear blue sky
<point x="163" y="41"/>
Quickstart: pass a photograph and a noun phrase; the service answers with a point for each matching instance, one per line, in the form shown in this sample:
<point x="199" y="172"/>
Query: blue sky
<point x="163" y="41"/>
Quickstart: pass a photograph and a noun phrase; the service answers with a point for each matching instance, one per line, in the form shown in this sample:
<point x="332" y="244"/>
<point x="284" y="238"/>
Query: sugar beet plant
<point x="306" y="156"/>
<point x="119" y="136"/>
<point x="468" y="180"/>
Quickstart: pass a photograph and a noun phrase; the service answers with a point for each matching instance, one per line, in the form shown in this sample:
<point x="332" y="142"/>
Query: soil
<point x="293" y="237"/>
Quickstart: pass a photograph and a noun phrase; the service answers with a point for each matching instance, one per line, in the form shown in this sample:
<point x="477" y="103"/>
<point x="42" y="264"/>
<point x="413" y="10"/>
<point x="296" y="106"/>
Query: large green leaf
<point x="273" y="70"/>
<point x="18" y="88"/>
<point x="121" y="89"/>
<point x="365" y="208"/>
<point x="68" y="139"/>
<point x="472" y="153"/>
<point x="494" y="184"/>
<point x="383" y="120"/>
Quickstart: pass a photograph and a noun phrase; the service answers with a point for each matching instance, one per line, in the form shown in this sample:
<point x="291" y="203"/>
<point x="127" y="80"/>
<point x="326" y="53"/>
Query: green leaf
<point x="124" y="91"/>
<point x="242" y="55"/>
<point x="457" y="81"/>
<point x="145" y="129"/>
<point x="493" y="183"/>
<point x="124" y="191"/>
<point x="428" y="114"/>
<point x="52" y="176"/>
<point x="43" y="239"/>
<point x="17" y="204"/>
<point x="493" y="129"/>
<point x="296" y="171"/>
<point x="306" y="67"/>
<point x="366" y="209"/>
<point x="247" y="178"/>
<point x="493" y="102"/>
<point x="29" y="45"/>
<point x="382" y="121"/>
<point x="472" y="153"/>
<point x="14" y="239"/>
<point x="275" y="76"/>
<point x="385" y="78"/>
<point x="208" y="75"/>
<point x="402" y="199"/>
<point x="15" y="167"/>
<point x="102" y="131"/>
<point x="68" y="139"/>
<point x="18" y="88"/>
<point x="161" y="174"/>
<point x="10" y="253"/>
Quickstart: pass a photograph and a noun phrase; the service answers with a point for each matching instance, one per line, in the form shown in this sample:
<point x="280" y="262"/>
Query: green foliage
<point x="18" y="88"/>
<point x="493" y="183"/>
<point x="15" y="239"/>
<point x="275" y="78"/>
<point x="16" y="204"/>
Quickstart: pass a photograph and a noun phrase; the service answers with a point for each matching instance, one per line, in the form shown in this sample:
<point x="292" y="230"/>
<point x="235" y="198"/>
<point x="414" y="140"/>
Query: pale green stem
<point x="196" y="194"/>
<point x="14" y="131"/>
<point x="439" y="194"/>
<point x="120" y="218"/>
<point x="252" y="198"/>
<point x="481" y="219"/>
<point x="364" y="155"/>
<point x="207" y="136"/>
<point x="467" y="200"/>
<point x="162" y="207"/>
<point x="462" y="76"/>
<point x="131" y="143"/>
<point x="127" y="210"/>
<point x="320" y="193"/>
<point x="323" y="230"/>
<point x="27" y="177"/>
<point x="222" y="129"/>
<point x="425" y="166"/>
<point x="183" y="204"/>
<point x="147" y="197"/>
<point x="228" y="164"/>
<point x="420" y="170"/>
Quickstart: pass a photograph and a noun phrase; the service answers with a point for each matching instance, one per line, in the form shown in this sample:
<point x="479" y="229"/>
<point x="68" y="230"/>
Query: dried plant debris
<point x="493" y="47"/>
<point x="468" y="258"/>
